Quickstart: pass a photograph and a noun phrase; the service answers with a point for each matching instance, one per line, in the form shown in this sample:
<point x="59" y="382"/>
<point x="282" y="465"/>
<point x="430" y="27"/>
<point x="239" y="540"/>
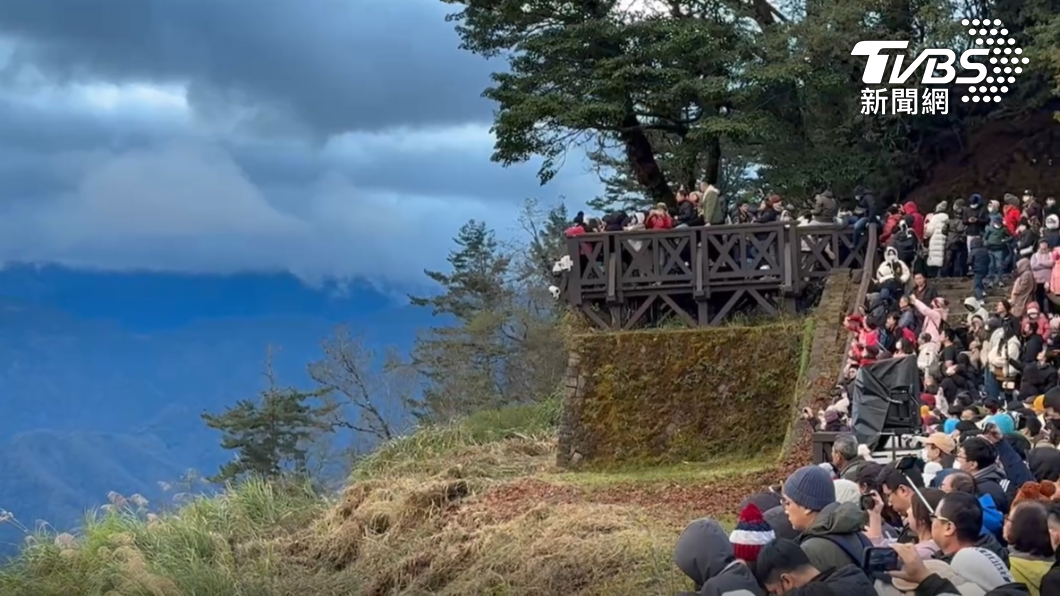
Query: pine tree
<point x="271" y="436"/>
<point x="463" y="364"/>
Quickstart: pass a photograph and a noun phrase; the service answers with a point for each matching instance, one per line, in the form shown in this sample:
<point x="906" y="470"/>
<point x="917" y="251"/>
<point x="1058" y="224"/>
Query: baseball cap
<point x="941" y="440"/>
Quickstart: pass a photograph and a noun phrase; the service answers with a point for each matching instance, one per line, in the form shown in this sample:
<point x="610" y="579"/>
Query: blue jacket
<point x="980" y="261"/>
<point x="993" y="519"/>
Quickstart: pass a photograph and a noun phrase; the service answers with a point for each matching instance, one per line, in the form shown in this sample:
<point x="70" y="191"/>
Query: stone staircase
<point x="956" y="289"/>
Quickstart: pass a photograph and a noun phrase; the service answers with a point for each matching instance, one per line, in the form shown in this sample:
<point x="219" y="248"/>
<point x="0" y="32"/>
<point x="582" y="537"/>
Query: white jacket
<point x="975" y="309"/>
<point x="1001" y="351"/>
<point x="890" y="266"/>
<point x="935" y="233"/>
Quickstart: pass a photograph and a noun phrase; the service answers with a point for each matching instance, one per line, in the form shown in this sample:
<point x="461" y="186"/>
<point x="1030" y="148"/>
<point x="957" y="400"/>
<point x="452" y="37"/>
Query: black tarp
<point x="876" y="388"/>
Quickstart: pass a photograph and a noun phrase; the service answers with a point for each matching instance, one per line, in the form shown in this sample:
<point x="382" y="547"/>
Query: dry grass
<point x="476" y="508"/>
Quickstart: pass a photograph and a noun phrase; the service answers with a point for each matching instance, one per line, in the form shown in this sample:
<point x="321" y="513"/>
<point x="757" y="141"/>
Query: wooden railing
<point x="702" y="260"/>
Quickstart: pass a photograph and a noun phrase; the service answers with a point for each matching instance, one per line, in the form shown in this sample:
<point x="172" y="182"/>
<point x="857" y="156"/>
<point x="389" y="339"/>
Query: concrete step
<point x="956" y="289"/>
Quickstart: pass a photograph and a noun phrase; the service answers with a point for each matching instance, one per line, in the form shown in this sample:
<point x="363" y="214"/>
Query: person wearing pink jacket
<point x="934" y="315"/>
<point x="1042" y="262"/>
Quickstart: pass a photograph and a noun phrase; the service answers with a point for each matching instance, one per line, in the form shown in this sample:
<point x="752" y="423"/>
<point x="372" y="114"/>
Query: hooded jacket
<point x="989" y="482"/>
<point x="892" y="268"/>
<point x="996" y="236"/>
<point x="848" y="580"/>
<point x="956" y="237"/>
<point x="704" y="553"/>
<point x="975" y="216"/>
<point x="1023" y="288"/>
<point x="1042" y="267"/>
<point x="1011" y="217"/>
<point x="1044" y="463"/>
<point x="1051" y="233"/>
<point x="1029" y="570"/>
<point x="975" y="309"/>
<point x="840" y="523"/>
<point x="978" y="258"/>
<point x="825" y="208"/>
<point x="935" y="232"/>
<point x="910" y="209"/>
<point x="934" y="317"/>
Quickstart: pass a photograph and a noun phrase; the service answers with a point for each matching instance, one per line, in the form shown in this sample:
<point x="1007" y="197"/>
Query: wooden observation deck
<point x="701" y="275"/>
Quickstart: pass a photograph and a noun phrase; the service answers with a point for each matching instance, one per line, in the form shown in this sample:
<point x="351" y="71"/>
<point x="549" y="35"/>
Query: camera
<point x="867" y="502"/>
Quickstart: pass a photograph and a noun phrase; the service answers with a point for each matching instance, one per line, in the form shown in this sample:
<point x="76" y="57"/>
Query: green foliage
<point x="535" y="421"/>
<point x="271" y="436"/>
<point x="214" y="546"/>
<point x="690" y="395"/>
<point x="664" y="98"/>
<point x="501" y="345"/>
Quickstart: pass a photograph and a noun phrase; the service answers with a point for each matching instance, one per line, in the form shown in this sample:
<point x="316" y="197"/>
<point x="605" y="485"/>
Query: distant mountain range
<point x="103" y="376"/>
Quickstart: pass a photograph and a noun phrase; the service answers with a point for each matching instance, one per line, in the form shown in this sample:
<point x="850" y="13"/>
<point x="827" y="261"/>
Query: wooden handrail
<point x="868" y="272"/>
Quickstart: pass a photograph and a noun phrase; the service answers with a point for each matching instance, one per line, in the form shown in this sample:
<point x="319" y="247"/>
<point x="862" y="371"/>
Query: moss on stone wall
<point x="686" y="395"/>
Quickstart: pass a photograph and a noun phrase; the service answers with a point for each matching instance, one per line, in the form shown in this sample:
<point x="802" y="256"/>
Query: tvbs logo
<point x="995" y="47"/>
<point x="938" y="63"/>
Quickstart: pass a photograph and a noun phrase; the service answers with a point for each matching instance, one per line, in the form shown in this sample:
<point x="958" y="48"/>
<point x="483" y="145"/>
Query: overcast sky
<point x="232" y="135"/>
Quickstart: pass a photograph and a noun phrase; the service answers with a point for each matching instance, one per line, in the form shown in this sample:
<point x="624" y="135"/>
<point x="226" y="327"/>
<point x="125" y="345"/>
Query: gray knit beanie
<point x="810" y="487"/>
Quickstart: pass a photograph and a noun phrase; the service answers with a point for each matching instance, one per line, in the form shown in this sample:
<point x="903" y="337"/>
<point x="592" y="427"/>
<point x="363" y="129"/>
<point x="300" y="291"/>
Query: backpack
<point x="858" y="556"/>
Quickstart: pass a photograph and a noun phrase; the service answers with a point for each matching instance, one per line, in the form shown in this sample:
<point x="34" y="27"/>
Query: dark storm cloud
<point x="318" y="66"/>
<point x="114" y="189"/>
<point x="104" y="165"/>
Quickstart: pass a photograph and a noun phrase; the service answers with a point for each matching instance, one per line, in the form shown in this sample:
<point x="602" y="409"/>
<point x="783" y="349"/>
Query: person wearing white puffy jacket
<point x="975" y="309"/>
<point x="1003" y="345"/>
<point x="935" y="234"/>
<point x="892" y="272"/>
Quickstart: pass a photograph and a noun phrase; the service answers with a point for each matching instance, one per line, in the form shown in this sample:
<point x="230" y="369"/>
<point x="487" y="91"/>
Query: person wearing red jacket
<point x="890" y="224"/>
<point x="918" y="220"/>
<point x="1011" y="213"/>
<point x="659" y="218"/>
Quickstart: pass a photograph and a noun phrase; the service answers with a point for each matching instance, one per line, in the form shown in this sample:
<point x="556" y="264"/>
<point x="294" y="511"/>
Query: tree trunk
<point x="712" y="161"/>
<point x="642" y="163"/>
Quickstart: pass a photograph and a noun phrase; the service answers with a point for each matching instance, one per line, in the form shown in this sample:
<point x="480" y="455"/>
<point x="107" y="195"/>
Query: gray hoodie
<point x="704" y="554"/>
<point x="842" y="523"/>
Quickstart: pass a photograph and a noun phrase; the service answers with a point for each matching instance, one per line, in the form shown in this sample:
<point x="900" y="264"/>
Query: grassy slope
<point x="476" y="508"/>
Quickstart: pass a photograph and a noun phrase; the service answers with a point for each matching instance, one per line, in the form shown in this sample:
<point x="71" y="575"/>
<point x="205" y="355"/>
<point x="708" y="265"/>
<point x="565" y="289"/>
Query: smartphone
<point x="867" y="502"/>
<point x="881" y="560"/>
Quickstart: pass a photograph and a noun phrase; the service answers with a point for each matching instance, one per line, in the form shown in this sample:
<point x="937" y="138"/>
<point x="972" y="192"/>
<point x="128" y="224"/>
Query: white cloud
<point x="112" y="98"/>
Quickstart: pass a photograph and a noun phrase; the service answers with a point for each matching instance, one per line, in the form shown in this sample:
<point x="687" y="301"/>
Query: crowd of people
<point x="988" y="240"/>
<point x="976" y="511"/>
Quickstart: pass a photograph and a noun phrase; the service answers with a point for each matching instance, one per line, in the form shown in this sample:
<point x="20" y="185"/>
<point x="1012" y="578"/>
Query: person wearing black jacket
<point x="687" y="212"/>
<point x="975" y="218"/>
<point x="955" y="262"/>
<point x="768" y="212"/>
<point x="1033" y="344"/>
<point x="1035" y="377"/>
<point x="955" y="382"/>
<point x="978" y="457"/>
<point x="868" y="209"/>
<point x="783" y="568"/>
